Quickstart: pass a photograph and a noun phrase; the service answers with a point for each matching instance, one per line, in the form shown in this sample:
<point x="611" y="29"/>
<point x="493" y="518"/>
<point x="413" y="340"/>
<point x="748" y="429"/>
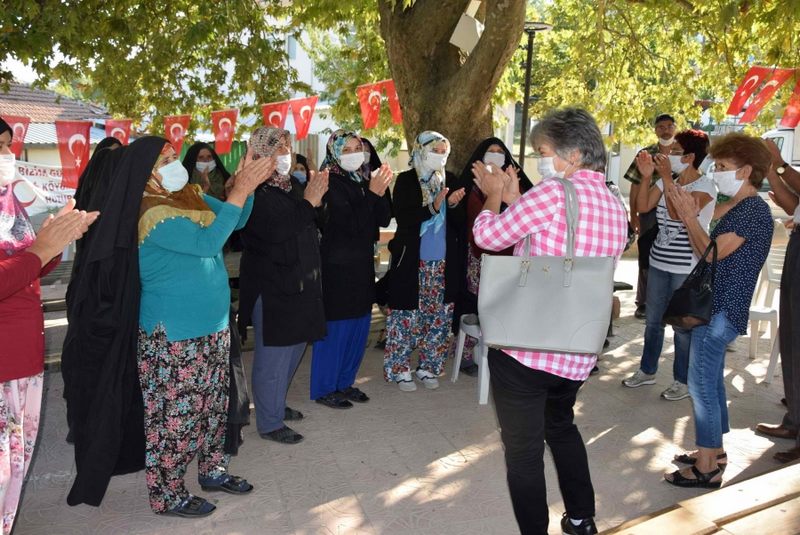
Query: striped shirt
<point x="601" y="231"/>
<point x="672" y="252"/>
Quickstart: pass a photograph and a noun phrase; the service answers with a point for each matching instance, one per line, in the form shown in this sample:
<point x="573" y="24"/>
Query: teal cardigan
<point x="184" y="281"/>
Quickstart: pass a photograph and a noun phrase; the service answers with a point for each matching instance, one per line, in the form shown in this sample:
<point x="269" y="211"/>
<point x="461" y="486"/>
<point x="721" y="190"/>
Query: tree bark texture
<point x="440" y="89"/>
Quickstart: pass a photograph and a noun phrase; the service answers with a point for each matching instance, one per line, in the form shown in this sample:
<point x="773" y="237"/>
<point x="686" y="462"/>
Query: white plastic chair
<point x="766" y="310"/>
<point x="470" y="326"/>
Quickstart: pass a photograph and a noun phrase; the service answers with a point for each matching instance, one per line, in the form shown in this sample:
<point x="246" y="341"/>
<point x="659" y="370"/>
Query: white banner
<point x="38" y="188"/>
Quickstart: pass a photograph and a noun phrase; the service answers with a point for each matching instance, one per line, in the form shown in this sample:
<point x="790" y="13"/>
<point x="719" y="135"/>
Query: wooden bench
<point x="769" y="503"/>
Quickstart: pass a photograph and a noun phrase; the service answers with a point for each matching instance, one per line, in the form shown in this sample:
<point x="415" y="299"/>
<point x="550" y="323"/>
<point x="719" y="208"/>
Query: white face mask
<point x="206" y="166"/>
<point x="434" y="161"/>
<point x="7" y="169"/>
<point x="727" y="183"/>
<point x="173" y="176"/>
<point x="677" y="165"/>
<point x="283" y="164"/>
<point x="547" y="169"/>
<point x="666" y="142"/>
<point x="495" y="159"/>
<point x="352" y="161"/>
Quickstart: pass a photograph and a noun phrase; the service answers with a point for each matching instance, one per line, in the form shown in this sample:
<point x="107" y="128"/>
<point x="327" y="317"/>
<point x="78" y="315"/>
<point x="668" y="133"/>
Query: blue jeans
<point x="706" y="380"/>
<point x="660" y="287"/>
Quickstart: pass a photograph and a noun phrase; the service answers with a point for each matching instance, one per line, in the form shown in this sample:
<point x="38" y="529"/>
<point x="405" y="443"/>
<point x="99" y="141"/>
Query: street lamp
<point x="530" y="28"/>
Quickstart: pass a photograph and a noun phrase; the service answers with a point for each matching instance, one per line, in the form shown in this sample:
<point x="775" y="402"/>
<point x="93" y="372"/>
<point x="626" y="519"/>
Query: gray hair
<point x="569" y="129"/>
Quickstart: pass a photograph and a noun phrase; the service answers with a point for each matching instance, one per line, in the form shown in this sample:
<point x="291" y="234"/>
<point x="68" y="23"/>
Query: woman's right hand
<point x="316" y="188"/>
<point x="645" y="165"/>
<point x="251" y="173"/>
<point x="60" y="230"/>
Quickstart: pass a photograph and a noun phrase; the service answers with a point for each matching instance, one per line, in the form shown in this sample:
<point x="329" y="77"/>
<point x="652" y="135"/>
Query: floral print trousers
<point x="20" y="404"/>
<point x="185" y="391"/>
<point x="427" y="328"/>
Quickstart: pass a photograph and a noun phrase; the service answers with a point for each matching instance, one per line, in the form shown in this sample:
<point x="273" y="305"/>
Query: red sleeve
<point x="50" y="266"/>
<point x="18" y="271"/>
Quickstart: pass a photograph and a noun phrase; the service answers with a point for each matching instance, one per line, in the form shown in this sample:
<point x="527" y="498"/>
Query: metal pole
<point x="524" y="128"/>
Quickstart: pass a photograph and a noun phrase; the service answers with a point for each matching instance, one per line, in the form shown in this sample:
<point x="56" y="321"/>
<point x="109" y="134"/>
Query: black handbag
<point x="691" y="304"/>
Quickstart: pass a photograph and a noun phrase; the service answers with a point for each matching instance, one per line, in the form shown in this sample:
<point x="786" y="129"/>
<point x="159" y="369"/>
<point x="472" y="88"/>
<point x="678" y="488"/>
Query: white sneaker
<point x="428" y="379"/>
<point x="406" y="382"/>
<point x="676" y="391"/>
<point x="639" y="379"/>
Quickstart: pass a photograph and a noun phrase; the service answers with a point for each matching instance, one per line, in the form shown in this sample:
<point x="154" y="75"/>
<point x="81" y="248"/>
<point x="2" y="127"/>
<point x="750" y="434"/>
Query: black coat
<point x="281" y="263"/>
<point x="403" y="276"/>
<point x="351" y="218"/>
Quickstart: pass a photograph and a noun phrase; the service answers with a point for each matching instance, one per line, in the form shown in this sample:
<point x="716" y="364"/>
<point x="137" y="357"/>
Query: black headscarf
<point x="190" y="160"/>
<point x="104" y="398"/>
<point x="5" y="127"/>
<point x="466" y="175"/>
<point x="302" y="160"/>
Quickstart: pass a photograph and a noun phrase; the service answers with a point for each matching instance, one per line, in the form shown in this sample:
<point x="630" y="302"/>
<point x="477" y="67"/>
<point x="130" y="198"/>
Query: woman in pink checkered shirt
<point x="534" y="392"/>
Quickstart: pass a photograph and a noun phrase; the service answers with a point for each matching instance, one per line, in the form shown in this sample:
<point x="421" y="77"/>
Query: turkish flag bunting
<point x="19" y="128"/>
<point x="394" y="102"/>
<point x="175" y="128"/>
<point x="224" y="124"/>
<point x="791" y="117"/>
<point x="369" y="96"/>
<point x="779" y="77"/>
<point x="275" y="113"/>
<point x="120" y="129"/>
<point x="303" y="112"/>
<point x="73" y="146"/>
<point x="754" y="77"/>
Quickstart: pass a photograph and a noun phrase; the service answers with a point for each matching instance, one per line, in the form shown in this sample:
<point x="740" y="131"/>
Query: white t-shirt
<point x="672" y="251"/>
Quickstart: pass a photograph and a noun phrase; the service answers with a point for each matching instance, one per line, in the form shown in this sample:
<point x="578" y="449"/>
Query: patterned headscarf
<point x="159" y="204"/>
<point x="265" y="141"/>
<point x="431" y="182"/>
<point x="16" y="231"/>
<point x="333" y="155"/>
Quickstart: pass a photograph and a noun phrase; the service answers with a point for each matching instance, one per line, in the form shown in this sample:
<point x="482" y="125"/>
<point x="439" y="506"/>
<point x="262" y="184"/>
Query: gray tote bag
<point x="558" y="304"/>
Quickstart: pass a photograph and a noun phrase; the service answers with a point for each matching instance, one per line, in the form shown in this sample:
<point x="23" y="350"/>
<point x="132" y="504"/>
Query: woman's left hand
<point x="686" y="206"/>
<point x="380" y="180"/>
<point x="490" y="179"/>
<point x="454" y="198"/>
<point x="662" y="165"/>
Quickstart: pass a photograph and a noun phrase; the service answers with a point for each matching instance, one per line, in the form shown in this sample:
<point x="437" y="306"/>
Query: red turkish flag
<point x="303" y="112"/>
<point x="19" y="128"/>
<point x="175" y="128"/>
<point x="791" y="117"/>
<point x="779" y="77"/>
<point x="275" y="114"/>
<point x="120" y="129"/>
<point x="754" y="77"/>
<point x="394" y="102"/>
<point x="224" y="125"/>
<point x="369" y="96"/>
<point x="73" y="146"/>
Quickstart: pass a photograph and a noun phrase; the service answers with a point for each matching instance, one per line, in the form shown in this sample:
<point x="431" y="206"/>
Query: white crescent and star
<point x="305" y="112"/>
<point x="70" y="144"/>
<point x="180" y="133"/>
<point x="376" y="96"/>
<point x="117" y="130"/>
<point x="19" y="127"/>
<point x="750" y="83"/>
<point x="275" y="118"/>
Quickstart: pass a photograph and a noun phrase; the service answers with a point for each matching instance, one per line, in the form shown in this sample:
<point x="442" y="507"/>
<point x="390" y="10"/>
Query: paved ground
<point x="427" y="462"/>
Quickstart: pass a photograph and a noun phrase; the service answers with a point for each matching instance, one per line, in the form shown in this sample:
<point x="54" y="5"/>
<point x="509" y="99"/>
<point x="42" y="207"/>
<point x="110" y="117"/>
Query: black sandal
<point x="290" y="414"/>
<point x="192" y="507"/>
<point x="354" y="394"/>
<point x="284" y="435"/>
<point x="685" y="458"/>
<point x="334" y="401"/>
<point x="227" y="483"/>
<point x="703" y="480"/>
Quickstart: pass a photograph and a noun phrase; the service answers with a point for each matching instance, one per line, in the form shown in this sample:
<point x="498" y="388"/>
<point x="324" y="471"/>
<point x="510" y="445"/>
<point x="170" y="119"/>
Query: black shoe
<point x="334" y="401"/>
<point x="641" y="312"/>
<point x="594" y="371"/>
<point x="606" y="343"/>
<point x="783" y="402"/>
<point x="354" y="394"/>
<point x="192" y="507"/>
<point x="284" y="435"/>
<point x="290" y="414"/>
<point x="471" y="370"/>
<point x="586" y="527"/>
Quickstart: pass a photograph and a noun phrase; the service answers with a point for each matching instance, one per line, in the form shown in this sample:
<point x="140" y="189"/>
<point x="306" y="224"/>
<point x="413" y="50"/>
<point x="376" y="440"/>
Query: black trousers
<point x="790" y="333"/>
<point x="534" y="407"/>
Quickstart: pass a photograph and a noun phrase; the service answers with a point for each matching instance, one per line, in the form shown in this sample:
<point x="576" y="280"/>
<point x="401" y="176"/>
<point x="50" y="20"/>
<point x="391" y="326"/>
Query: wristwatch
<point x="781" y="169"/>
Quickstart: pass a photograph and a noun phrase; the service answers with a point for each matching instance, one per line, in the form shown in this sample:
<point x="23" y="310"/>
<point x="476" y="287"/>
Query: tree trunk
<point x="438" y="88"/>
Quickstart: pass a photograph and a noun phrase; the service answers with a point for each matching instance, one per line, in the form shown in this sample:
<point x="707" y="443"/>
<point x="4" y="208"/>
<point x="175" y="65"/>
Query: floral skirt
<point x="20" y="404"/>
<point x="185" y="392"/>
<point x="426" y="328"/>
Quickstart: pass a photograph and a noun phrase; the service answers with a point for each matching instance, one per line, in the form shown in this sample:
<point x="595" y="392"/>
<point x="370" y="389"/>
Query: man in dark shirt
<point x="644" y="222"/>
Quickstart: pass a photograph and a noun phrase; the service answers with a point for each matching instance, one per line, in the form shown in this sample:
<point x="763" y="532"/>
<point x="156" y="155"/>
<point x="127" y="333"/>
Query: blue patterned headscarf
<point x="333" y="155"/>
<point x="430" y="181"/>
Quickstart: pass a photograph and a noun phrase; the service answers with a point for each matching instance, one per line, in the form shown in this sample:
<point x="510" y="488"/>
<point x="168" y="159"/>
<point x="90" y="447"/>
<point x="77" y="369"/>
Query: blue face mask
<point x="300" y="176"/>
